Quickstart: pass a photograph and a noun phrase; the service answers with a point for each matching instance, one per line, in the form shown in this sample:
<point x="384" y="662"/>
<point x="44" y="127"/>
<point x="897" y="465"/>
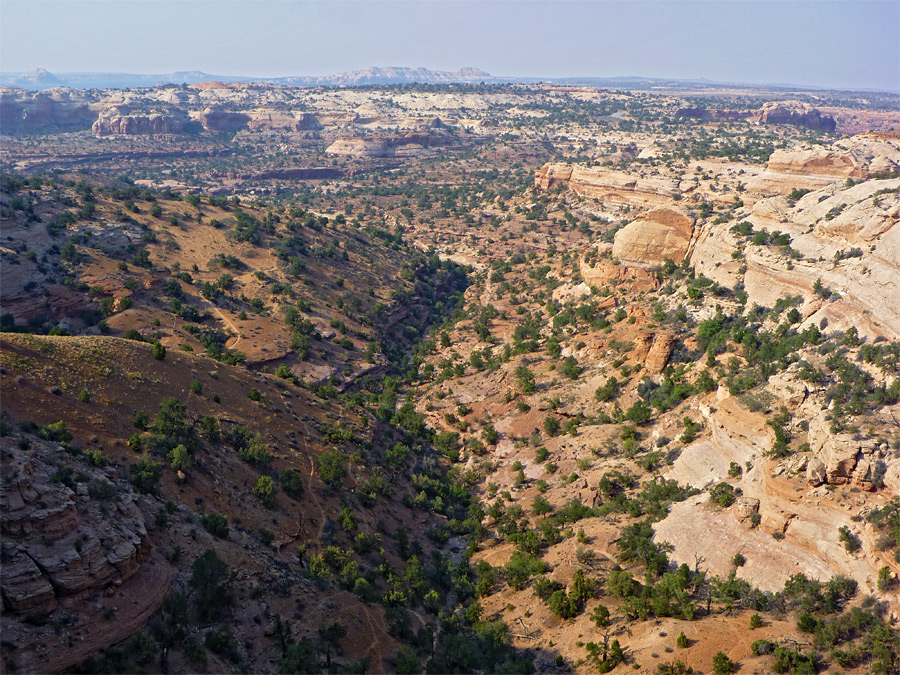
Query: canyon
<point x="448" y="378"/>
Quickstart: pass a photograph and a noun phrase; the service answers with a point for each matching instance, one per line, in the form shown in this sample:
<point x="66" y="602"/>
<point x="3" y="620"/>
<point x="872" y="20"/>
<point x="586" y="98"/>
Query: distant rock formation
<point x="608" y="185"/>
<point x="802" y="115"/>
<point x="390" y="75"/>
<point x="121" y="122"/>
<point x="307" y="122"/>
<point x="38" y="78"/>
<point x="653" y="237"/>
<point x="49" y="111"/>
<point x="798" y="114"/>
<point x="388" y="146"/>
<point x="221" y="120"/>
<point x="858" y="157"/>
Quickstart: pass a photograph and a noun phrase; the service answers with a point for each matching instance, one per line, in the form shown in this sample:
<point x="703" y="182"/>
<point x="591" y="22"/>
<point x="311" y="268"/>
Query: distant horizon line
<point x="474" y="75"/>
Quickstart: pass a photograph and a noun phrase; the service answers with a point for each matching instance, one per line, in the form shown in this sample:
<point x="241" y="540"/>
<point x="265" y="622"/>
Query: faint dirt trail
<point x="230" y="325"/>
<point x="373" y="651"/>
<point x="315" y="497"/>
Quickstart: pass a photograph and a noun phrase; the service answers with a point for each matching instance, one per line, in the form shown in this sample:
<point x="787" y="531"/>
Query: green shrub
<point x="265" y="490"/>
<point x="145" y="475"/>
<point x="332" y="464"/>
<point x="722" y="665"/>
<point x="722" y="494"/>
<point x="215" y="524"/>
<point x="291" y="483"/>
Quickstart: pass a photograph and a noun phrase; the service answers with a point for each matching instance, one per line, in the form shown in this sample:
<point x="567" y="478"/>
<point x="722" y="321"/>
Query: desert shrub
<point x="332" y="465"/>
<point x="562" y="604"/>
<point x="722" y="665"/>
<point x="848" y="539"/>
<point x="210" y="579"/>
<point x="291" y="483"/>
<point x="159" y="351"/>
<point x="544" y="587"/>
<point x="521" y="567"/>
<point x="145" y="475"/>
<point x="215" y="524"/>
<point x="265" y="490"/>
<point x="722" y="494"/>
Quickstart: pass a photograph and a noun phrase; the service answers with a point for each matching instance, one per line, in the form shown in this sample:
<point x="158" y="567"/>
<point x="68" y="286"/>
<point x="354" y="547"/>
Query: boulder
<point x="746" y="507"/>
<point x="816" y="472"/>
<point x="658" y="235"/>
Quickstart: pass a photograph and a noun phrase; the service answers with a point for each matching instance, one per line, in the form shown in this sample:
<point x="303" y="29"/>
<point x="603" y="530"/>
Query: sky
<point x="842" y="44"/>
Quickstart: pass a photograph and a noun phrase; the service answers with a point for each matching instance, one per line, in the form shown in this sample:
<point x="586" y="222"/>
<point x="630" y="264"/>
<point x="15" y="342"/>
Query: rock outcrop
<point x="44" y="112"/>
<point x="608" y="185"/>
<point x="653" y="237"/>
<point x="68" y="530"/>
<point x="653" y="350"/>
<point x="857" y="158"/>
<point x="307" y="122"/>
<point x="797" y="114"/>
<point x="840" y="459"/>
<point x="597" y="273"/>
<point x="121" y="122"/>
<point x="855" y="229"/>
<point x="387" y="146"/>
<point x="221" y="120"/>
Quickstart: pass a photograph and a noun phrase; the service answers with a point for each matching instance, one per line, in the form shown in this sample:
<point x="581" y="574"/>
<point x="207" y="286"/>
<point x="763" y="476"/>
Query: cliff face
<point x="608" y="185"/>
<point x="387" y="146"/>
<point x="68" y="530"/>
<point x="800" y="115"/>
<point x="822" y="224"/>
<point x="797" y="114"/>
<point x="858" y="158"/>
<point x="49" y="111"/>
<point x="220" y="120"/>
<point x="121" y="122"/>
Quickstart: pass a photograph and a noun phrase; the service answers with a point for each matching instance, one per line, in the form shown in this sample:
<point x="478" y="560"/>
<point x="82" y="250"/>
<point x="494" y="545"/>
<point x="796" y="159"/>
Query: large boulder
<point x="661" y="234"/>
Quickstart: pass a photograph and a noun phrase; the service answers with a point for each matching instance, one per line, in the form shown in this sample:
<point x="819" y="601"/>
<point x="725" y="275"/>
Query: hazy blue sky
<point x="840" y="43"/>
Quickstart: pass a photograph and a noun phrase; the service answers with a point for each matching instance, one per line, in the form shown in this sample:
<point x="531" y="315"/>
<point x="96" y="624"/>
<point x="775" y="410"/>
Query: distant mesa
<point x="388" y="146"/>
<point x="42" y="79"/>
<point x="51" y="110"/>
<point x="38" y="79"/>
<point x="390" y="75"/>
